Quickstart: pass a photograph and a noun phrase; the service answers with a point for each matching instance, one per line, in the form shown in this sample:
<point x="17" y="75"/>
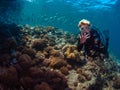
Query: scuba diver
<point x="90" y="40"/>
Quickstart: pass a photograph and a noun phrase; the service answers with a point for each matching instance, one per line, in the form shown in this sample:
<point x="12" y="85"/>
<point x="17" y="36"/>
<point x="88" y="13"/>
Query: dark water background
<point x="65" y="14"/>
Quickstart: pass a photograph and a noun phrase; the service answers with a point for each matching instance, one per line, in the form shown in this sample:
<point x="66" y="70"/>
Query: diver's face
<point x="85" y="29"/>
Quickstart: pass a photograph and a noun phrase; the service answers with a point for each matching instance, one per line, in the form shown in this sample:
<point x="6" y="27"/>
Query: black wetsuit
<point x="91" y="45"/>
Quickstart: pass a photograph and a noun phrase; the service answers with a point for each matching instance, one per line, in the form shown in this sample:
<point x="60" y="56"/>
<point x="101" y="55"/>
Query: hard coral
<point x="68" y="47"/>
<point x="9" y="77"/>
<point x="42" y="86"/>
<point x="55" y="80"/>
<point x="116" y="82"/>
<point x="26" y="82"/>
<point x="70" y="52"/>
<point x="83" y="76"/>
<point x="36" y="72"/>
<point x="49" y="28"/>
<point x="55" y="53"/>
<point x="27" y="26"/>
<point x="52" y="52"/>
<point x="64" y="70"/>
<point x="25" y="61"/>
<point x="10" y="43"/>
<point x="40" y="55"/>
<point x="39" y="44"/>
<point x="56" y="62"/>
<point x="5" y="59"/>
<point x="31" y="52"/>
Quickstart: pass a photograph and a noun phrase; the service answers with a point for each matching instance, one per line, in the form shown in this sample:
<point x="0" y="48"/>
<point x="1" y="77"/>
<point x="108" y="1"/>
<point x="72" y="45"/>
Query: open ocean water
<point x="65" y="14"/>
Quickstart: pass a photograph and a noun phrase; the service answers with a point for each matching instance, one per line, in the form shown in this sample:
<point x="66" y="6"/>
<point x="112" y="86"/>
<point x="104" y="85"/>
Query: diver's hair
<point x="83" y="22"/>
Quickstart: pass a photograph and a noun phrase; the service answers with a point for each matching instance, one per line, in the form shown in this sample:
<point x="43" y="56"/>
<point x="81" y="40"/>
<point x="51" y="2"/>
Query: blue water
<point x="65" y="14"/>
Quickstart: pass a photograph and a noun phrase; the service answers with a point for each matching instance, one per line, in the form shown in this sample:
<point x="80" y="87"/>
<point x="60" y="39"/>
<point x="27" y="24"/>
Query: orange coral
<point x="57" y="62"/>
<point x="52" y="52"/>
<point x="70" y="52"/>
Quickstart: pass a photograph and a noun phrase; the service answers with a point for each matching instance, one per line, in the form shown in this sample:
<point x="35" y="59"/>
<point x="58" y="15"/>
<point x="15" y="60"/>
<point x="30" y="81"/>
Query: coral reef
<point x="56" y="62"/>
<point x="5" y="59"/>
<point x="46" y="58"/>
<point x="25" y="61"/>
<point x="116" y="82"/>
<point x="71" y="52"/>
<point x="39" y="44"/>
<point x="42" y="86"/>
<point x="9" y="77"/>
<point x="64" y="70"/>
<point x="53" y="79"/>
<point x="31" y="52"/>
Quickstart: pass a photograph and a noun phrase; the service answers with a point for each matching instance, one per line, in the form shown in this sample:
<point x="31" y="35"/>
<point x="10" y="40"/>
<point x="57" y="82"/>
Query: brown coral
<point x="36" y="72"/>
<point x="5" y="59"/>
<point x="42" y="86"/>
<point x="56" y="62"/>
<point x="55" y="80"/>
<point x="39" y="44"/>
<point x="31" y="52"/>
<point x="27" y="82"/>
<point x="52" y="52"/>
<point x="83" y="76"/>
<point x="9" y="77"/>
<point x="64" y="70"/>
<point x="25" y="61"/>
<point x="40" y="55"/>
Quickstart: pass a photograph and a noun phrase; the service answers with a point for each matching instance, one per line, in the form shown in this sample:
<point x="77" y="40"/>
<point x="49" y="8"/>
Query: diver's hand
<point x="83" y="38"/>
